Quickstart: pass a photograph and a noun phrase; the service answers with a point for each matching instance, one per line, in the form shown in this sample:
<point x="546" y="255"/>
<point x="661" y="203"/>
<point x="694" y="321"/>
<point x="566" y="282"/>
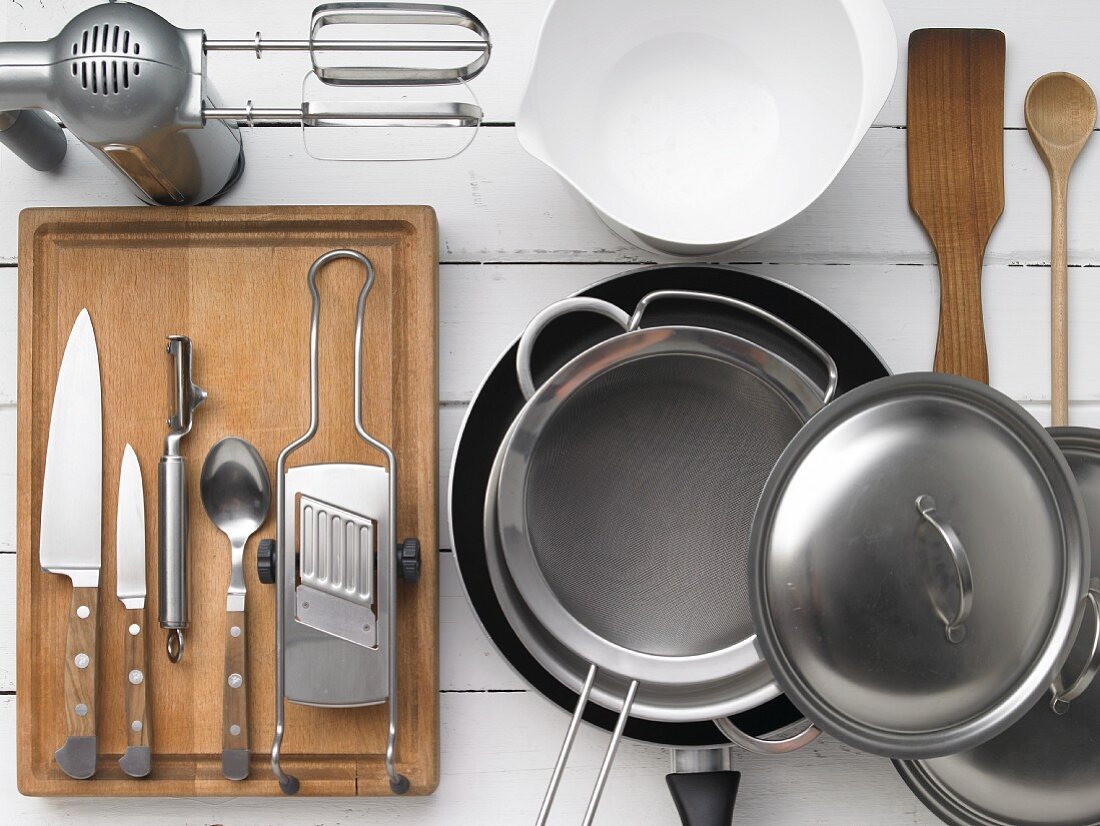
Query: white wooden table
<point x="514" y="238"/>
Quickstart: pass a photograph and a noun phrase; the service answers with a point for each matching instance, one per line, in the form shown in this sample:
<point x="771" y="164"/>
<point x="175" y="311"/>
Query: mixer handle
<point x="34" y="137"/>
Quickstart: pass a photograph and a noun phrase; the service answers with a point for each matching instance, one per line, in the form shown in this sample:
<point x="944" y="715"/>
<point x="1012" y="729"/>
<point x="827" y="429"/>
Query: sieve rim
<point x="801" y="394"/>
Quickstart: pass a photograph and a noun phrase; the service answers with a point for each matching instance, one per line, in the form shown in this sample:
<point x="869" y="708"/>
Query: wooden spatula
<point x="956" y="175"/>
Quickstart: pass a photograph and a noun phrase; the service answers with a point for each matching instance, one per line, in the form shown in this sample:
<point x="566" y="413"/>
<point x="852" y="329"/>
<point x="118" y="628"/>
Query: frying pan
<point x="498" y="401"/>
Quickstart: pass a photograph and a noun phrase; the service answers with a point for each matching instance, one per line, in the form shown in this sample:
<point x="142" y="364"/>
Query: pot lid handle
<point x="797" y="335"/>
<point x="1059" y="703"/>
<point x="954" y="624"/>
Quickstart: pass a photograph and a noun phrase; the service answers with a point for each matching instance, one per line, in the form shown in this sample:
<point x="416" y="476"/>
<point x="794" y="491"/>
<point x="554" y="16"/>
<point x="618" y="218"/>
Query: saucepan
<point x="539" y="657"/>
<point x="917" y="562"/>
<point x="683" y="124"/>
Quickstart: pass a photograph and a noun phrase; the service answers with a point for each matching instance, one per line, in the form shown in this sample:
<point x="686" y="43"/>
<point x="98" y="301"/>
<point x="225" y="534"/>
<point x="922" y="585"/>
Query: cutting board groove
<point x="234" y="280"/>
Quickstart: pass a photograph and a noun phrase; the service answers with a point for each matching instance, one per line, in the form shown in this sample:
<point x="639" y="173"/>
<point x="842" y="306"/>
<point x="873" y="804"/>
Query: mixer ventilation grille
<point x="100" y="65"/>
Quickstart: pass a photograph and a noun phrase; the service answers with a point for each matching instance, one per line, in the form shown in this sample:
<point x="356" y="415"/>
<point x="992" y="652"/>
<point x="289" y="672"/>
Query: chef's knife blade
<point x="70" y="531"/>
<point x="130" y="589"/>
<point x="72" y="487"/>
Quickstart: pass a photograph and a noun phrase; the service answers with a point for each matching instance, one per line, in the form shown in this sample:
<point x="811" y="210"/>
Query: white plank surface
<point x="513" y="239"/>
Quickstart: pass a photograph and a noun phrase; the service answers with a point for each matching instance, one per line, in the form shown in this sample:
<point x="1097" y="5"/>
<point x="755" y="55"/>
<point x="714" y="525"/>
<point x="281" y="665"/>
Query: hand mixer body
<point x="131" y="87"/>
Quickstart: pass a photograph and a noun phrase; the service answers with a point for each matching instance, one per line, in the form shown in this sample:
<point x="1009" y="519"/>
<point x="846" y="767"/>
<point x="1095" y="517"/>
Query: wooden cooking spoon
<point x="956" y="174"/>
<point x="1060" y="111"/>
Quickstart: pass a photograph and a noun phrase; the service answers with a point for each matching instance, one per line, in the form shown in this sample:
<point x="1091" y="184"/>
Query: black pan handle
<point x="704" y="798"/>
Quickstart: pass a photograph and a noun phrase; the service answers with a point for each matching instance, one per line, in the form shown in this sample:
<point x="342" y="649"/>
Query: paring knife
<point x="69" y="537"/>
<point x="130" y="589"/>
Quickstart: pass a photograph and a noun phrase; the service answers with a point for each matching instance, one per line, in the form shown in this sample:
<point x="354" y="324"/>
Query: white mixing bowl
<point x="695" y="126"/>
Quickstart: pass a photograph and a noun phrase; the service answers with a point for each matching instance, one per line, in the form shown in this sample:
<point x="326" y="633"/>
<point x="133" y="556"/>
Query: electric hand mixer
<point x="133" y="88"/>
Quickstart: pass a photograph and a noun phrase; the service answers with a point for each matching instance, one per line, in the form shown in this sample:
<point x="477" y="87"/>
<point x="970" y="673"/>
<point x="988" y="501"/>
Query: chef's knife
<point x="130" y="588"/>
<point x="69" y="538"/>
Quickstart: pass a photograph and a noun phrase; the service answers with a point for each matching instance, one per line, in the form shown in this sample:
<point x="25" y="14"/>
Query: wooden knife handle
<point x="137" y="680"/>
<point x="235" y="749"/>
<point x="960" y="346"/>
<point x="81" y="662"/>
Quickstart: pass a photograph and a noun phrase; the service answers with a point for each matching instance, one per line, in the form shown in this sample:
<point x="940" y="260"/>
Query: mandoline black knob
<point x="266" y="559"/>
<point x="408" y="560"/>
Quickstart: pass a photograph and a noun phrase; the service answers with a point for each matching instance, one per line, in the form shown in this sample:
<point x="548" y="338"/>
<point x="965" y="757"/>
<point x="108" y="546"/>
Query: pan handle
<point x="539" y="323"/>
<point x="778" y="323"/>
<point x="1063" y="696"/>
<point x="758" y="745"/>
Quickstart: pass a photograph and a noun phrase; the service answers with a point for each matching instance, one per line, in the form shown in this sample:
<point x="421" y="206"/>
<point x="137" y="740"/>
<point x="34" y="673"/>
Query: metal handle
<point x="954" y="626"/>
<point x="567" y="745"/>
<point x="1062" y="696"/>
<point x="539" y="322"/>
<point x="174" y="613"/>
<point x="759" y="745"/>
<point x="399" y="784"/>
<point x="689" y="295"/>
<point x="34" y="137"/>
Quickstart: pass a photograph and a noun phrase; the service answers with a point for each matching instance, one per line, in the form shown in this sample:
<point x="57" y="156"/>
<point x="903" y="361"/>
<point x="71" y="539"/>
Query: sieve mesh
<point x="641" y="490"/>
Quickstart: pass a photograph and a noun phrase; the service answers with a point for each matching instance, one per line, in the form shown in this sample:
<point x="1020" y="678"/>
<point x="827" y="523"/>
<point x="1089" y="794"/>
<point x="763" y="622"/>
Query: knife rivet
<point x="235" y="631"/>
<point x="135" y="629"/>
<point x="136" y="725"/>
<point x="83" y="611"/>
<point x="136" y="677"/>
<point x="82" y="660"/>
<point x="236" y="680"/>
<point x="234" y="729"/>
<point x="81" y="710"/>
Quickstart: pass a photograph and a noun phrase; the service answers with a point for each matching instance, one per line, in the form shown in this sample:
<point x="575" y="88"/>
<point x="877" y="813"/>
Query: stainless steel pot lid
<point x="1045" y="769"/>
<point x="917" y="560"/>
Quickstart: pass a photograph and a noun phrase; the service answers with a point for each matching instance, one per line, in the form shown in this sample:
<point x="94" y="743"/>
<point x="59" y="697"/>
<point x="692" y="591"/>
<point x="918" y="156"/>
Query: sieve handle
<point x="689" y="295"/>
<point x="554" y="311"/>
<point x="758" y="745"/>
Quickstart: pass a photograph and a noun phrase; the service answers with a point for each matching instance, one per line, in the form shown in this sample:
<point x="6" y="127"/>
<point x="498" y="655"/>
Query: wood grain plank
<point x="235" y="280"/>
<point x="1042" y="38"/>
<point x="497" y="753"/>
<point x="497" y="204"/>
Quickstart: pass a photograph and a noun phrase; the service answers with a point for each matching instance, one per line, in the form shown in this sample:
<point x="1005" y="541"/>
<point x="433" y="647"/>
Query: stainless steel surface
<point x="1042" y="771"/>
<point x="572" y="470"/>
<point x="380" y="114"/>
<point x="336" y="552"/>
<point x="805" y="733"/>
<point x="131" y="87"/>
<point x="551" y="669"/>
<point x="72" y="494"/>
<point x="72" y="487"/>
<point x="649" y="451"/>
<point x="172" y="557"/>
<point x="609" y="755"/>
<point x="566" y="747"/>
<point x="236" y="494"/>
<point x="848" y="579"/>
<point x="36" y="138"/>
<point x="130" y="533"/>
<point x="953" y="619"/>
<point x="399" y="14"/>
<point x="293" y="639"/>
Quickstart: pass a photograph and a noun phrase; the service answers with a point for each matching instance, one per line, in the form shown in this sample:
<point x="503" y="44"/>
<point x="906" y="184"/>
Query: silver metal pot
<point x="920" y="554"/>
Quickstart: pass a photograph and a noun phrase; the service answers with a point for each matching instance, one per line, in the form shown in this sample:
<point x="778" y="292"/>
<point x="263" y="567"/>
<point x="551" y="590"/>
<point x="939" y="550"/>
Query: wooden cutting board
<point x="234" y="280"/>
<point x="956" y="175"/>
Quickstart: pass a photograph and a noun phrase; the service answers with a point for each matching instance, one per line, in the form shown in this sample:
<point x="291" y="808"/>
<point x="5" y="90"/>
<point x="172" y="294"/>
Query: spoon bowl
<point x="235" y="487"/>
<point x="1060" y="112"/>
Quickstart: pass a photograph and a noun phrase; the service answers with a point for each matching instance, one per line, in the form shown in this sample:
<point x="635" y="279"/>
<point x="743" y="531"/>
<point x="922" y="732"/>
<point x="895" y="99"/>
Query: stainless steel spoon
<point x="236" y="492"/>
